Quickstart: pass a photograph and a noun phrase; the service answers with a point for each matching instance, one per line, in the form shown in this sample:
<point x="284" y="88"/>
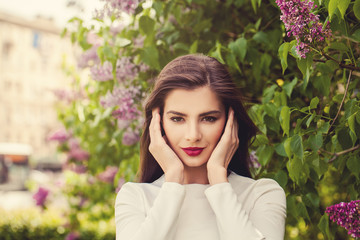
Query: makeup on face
<point x="193" y="151"/>
<point x="193" y="121"/>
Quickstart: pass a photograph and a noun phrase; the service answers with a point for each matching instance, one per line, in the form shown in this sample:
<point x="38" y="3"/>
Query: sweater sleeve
<point x="133" y="223"/>
<point x="266" y="220"/>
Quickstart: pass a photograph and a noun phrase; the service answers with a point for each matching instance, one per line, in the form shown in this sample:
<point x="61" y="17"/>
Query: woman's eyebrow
<point x="176" y="113"/>
<point x="201" y="114"/>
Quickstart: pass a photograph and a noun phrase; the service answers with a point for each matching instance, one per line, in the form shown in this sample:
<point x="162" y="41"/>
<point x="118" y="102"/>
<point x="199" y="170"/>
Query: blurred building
<point x="31" y="56"/>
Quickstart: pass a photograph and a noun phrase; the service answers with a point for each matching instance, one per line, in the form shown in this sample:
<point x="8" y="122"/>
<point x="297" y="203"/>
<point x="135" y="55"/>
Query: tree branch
<point x="342" y="65"/>
<point x="335" y="155"/>
<point x="342" y="102"/>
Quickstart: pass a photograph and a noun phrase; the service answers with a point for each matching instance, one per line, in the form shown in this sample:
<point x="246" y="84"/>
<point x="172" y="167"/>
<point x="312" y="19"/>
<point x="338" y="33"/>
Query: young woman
<point x="194" y="175"/>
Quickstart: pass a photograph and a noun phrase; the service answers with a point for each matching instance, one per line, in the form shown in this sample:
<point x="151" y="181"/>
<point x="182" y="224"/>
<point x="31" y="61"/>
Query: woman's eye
<point x="209" y="119"/>
<point x="176" y="119"/>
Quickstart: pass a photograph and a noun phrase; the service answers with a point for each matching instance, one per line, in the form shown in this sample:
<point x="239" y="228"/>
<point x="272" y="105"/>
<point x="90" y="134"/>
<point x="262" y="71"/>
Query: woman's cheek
<point x="218" y="131"/>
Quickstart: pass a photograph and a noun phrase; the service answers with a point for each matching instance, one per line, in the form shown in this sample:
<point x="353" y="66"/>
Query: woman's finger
<point x="154" y="126"/>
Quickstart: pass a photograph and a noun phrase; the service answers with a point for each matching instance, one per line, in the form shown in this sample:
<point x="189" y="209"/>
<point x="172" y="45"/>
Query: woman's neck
<point x="196" y="175"/>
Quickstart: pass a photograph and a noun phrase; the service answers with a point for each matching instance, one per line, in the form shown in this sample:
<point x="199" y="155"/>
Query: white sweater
<point x="240" y="209"/>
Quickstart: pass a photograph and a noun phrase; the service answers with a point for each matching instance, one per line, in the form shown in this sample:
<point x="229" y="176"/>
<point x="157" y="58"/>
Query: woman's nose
<point x="193" y="133"/>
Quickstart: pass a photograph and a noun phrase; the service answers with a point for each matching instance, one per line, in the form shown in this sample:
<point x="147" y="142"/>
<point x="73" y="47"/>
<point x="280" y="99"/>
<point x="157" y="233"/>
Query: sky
<point x="56" y="9"/>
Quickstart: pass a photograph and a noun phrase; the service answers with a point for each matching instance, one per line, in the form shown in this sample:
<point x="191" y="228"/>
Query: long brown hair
<point x="190" y="72"/>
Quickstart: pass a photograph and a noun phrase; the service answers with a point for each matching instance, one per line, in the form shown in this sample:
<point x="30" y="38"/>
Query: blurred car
<point x="14" y="165"/>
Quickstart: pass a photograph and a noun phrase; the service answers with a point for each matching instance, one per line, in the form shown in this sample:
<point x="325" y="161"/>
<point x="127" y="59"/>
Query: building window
<point x="6" y="49"/>
<point x="36" y="40"/>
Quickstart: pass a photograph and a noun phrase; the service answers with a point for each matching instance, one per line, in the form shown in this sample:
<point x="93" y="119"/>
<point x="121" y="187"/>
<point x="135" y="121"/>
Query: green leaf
<point x="289" y="86"/>
<point x="323" y="127"/>
<point x="181" y="46"/>
<point x="283" y="53"/>
<point x="264" y="153"/>
<point x="304" y="65"/>
<point x="297" y="146"/>
<point x="122" y="42"/>
<point x="356" y="9"/>
<point x="217" y="53"/>
<point x="339" y="46"/>
<point x="202" y="26"/>
<point x="285" y="119"/>
<point x="271" y="110"/>
<point x="150" y="56"/>
<point x="261" y="37"/>
<point x="287" y="147"/>
<point x="281" y="178"/>
<point x="333" y="4"/>
<point x="265" y="63"/>
<point x="194" y="47"/>
<point x="344" y="138"/>
<point x="272" y="123"/>
<point x="313" y="198"/>
<point x="314" y="102"/>
<point x="268" y="93"/>
<point x="308" y="122"/>
<point x="253" y="3"/>
<point x="324" y="226"/>
<point x="353" y="164"/>
<point x="146" y="25"/>
<point x="239" y="48"/>
<point x="352" y="122"/>
<point x="280" y="150"/>
<point x="342" y="6"/>
<point x="298" y="171"/>
<point x="302" y="211"/>
<point x="315" y="141"/>
<point x="322" y="83"/>
<point x="231" y="61"/>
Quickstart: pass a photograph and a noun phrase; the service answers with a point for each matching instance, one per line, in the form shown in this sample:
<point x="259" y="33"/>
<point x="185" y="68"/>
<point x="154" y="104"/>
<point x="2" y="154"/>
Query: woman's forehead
<point x="198" y="99"/>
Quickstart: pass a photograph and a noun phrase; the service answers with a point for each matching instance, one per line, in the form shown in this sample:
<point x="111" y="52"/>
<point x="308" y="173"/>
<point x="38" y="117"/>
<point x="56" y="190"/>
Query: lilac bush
<point x="60" y="135"/>
<point x="130" y="137"/>
<point x="303" y="24"/>
<point x="40" y="196"/>
<point x="346" y="215"/>
<point x="125" y="101"/>
<point x="108" y="175"/>
<point x="102" y="72"/>
<point x="116" y="8"/>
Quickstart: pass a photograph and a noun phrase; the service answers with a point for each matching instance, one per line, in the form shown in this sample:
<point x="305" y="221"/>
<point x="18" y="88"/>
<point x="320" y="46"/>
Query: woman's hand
<point x="223" y="152"/>
<point x="168" y="160"/>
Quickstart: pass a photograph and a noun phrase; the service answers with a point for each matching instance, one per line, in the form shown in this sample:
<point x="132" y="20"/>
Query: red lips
<point x="193" y="151"/>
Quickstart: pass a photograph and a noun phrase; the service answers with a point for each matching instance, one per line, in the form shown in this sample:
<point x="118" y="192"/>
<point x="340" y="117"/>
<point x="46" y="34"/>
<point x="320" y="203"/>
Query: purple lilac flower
<point x="40" y="196"/>
<point x="116" y="27"/>
<point x="301" y="23"/>
<point x="346" y="215"/>
<point x="138" y="42"/>
<point x="89" y="57"/>
<point x="108" y="175"/>
<point x="125" y="100"/>
<point x="130" y="137"/>
<point x="60" y="135"/>
<point x="72" y="236"/>
<point x="67" y="96"/>
<point x="76" y="152"/>
<point x="102" y="72"/>
<point x="93" y="38"/>
<point x="116" y="7"/>
<point x="125" y="69"/>
<point x="75" y="167"/>
<point x="254" y="162"/>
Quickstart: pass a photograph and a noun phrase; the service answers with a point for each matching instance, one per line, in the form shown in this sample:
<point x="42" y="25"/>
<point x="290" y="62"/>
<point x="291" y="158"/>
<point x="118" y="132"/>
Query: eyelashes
<point x="177" y="119"/>
<point x="205" y="119"/>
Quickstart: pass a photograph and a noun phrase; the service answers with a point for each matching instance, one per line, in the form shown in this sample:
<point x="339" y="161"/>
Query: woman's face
<point x="193" y="121"/>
